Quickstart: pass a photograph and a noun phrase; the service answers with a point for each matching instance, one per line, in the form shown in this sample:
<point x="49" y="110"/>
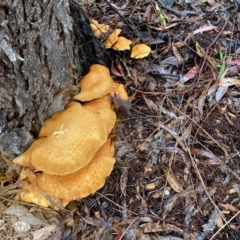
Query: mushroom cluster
<point x="74" y="153"/>
<point x="119" y="43"/>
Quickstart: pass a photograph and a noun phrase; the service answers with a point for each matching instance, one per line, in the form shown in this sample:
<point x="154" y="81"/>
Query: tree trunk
<point x="45" y="46"/>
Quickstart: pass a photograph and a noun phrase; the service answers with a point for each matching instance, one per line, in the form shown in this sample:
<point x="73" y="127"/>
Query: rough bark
<point x="45" y="46"/>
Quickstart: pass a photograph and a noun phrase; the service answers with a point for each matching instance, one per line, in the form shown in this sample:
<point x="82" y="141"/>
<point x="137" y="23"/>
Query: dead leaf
<point x="44" y="232"/>
<point x="172" y="181"/>
<point x="155" y="41"/>
<point x="174" y="200"/>
<point x="151" y="105"/>
<point x="200" y="51"/>
<point x="191" y="74"/>
<point x="213" y="158"/>
<point x="134" y="76"/>
<point x="123" y="105"/>
<point x="164" y="28"/>
<point x="23" y="214"/>
<point x="177" y="53"/>
<point x="115" y="71"/>
<point x="156" y="227"/>
<point x="204" y="29"/>
<point x="229" y="207"/>
<point x="220" y="92"/>
<point x="234" y="62"/>
<point x="21" y="226"/>
<point x="225" y="82"/>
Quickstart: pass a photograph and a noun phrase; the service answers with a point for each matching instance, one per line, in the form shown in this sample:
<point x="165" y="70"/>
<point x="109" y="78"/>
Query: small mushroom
<point x="112" y="38"/>
<point x="103" y="108"/>
<point x="140" y="51"/>
<point x="71" y="139"/>
<point x="83" y="182"/>
<point x="97" y="83"/>
<point x="122" y="44"/>
<point x="98" y="29"/>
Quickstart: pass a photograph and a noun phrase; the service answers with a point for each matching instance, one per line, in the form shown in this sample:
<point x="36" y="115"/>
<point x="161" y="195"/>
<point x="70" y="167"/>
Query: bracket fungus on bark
<point x="82" y="182"/>
<point x="68" y="140"/>
<point x="73" y="152"/>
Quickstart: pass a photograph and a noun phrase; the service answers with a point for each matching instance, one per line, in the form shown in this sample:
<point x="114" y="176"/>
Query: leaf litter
<point x="177" y="151"/>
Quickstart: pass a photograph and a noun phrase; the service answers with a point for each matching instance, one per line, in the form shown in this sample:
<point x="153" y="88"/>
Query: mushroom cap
<point x="73" y="137"/>
<point x="118" y="89"/>
<point x="98" y="28"/>
<point x="122" y="44"/>
<point x="112" y="38"/>
<point x="24" y="159"/>
<point x="83" y="182"/>
<point x="140" y="51"/>
<point x="103" y="108"/>
<point x="95" y="84"/>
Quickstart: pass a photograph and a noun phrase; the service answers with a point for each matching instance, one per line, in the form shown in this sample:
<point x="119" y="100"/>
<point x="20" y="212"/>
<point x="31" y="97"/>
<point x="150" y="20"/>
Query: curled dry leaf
<point x="229" y="207"/>
<point x="43" y="233"/>
<point x="123" y="105"/>
<point x="156" y="227"/>
<point x="177" y="53"/>
<point x="172" y="181"/>
<point x="225" y="82"/>
<point x="140" y="51"/>
<point x="174" y="200"/>
<point x="212" y="158"/>
<point x="190" y="74"/>
<point x="151" y="105"/>
<point x="221" y="92"/>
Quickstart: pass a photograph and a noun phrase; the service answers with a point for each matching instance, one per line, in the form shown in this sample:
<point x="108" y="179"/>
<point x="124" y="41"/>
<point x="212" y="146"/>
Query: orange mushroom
<point x="112" y="38"/>
<point x="97" y="83"/>
<point x="140" y="51"/>
<point x="122" y="44"/>
<point x="103" y="108"/>
<point x="98" y="29"/>
<point x="73" y="150"/>
<point x="119" y="90"/>
<point x="83" y="182"/>
<point x="72" y="137"/>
